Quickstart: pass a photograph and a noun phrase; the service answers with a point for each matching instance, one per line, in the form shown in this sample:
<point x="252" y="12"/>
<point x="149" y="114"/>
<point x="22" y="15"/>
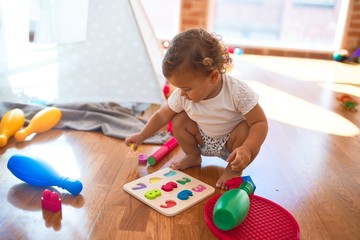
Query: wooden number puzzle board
<point x="169" y="191"/>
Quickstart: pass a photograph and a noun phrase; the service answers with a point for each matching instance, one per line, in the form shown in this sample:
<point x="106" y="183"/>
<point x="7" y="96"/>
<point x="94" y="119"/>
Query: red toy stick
<point x="162" y="151"/>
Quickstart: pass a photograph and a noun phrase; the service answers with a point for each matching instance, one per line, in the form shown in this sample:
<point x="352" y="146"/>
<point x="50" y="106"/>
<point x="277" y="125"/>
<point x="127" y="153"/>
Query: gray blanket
<point x="111" y="119"/>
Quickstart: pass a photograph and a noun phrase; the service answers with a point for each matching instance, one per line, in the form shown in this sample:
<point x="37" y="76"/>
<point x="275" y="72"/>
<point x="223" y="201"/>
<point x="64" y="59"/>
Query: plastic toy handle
<point x="73" y="186"/>
<point x="41" y="122"/>
<point x="22" y="134"/>
<point x="3" y="140"/>
<point x="232" y="207"/>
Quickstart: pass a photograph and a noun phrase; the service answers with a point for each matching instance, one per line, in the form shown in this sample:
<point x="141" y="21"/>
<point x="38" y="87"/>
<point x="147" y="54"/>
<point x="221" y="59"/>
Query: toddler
<point x="212" y="113"/>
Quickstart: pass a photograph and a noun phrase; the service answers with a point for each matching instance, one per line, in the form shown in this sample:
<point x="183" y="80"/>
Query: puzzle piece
<point x="183" y="181"/>
<point x="139" y="186"/>
<point x="199" y="188"/>
<point x="170" y="174"/>
<point x="184" y="194"/>
<point x="154" y="180"/>
<point x="168" y="204"/>
<point x="152" y="194"/>
<point x="168" y="187"/>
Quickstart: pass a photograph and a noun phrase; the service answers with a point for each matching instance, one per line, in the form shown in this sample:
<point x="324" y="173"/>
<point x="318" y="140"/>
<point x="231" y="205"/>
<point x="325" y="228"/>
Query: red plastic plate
<point x="265" y="220"/>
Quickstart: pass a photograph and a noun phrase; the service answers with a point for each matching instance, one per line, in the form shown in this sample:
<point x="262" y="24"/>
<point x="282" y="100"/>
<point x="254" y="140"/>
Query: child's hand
<point x="134" y="141"/>
<point x="239" y="159"/>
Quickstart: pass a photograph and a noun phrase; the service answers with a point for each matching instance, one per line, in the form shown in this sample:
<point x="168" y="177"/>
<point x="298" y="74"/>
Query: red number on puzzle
<point x="168" y="187"/>
<point x="168" y="204"/>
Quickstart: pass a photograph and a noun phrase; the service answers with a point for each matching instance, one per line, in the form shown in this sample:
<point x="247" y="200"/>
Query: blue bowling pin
<point x="37" y="172"/>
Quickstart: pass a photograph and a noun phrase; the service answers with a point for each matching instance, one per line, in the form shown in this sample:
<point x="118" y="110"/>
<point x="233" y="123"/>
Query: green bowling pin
<point x="232" y="207"/>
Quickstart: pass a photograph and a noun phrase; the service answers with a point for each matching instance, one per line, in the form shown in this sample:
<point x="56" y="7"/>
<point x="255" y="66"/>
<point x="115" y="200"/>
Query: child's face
<point x="196" y="86"/>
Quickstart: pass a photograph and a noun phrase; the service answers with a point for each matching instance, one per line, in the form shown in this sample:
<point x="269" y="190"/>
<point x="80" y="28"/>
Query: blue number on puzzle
<point x="170" y="174"/>
<point x="184" y="194"/>
<point x="152" y="194"/>
<point x="183" y="181"/>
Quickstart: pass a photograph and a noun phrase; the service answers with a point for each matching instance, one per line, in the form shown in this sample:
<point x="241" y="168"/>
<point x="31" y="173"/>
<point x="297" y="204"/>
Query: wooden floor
<point x="309" y="164"/>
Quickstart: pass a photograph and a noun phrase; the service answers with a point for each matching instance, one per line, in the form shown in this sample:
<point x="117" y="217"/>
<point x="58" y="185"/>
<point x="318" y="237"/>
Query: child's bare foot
<point x="226" y="175"/>
<point x="186" y="162"/>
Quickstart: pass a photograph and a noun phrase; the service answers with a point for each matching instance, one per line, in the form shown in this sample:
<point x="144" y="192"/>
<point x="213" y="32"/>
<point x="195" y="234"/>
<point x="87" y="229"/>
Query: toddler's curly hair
<point x="197" y="50"/>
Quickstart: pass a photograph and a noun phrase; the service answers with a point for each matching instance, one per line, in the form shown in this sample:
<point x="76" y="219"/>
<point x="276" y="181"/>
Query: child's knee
<point x="181" y="121"/>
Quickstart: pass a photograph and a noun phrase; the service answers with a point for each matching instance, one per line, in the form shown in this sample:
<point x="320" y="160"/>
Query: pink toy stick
<point x="162" y="151"/>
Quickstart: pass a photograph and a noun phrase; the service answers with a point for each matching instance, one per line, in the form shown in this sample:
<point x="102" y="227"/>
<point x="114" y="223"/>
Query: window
<point x="164" y="15"/>
<point x="320" y="3"/>
<point x="298" y="24"/>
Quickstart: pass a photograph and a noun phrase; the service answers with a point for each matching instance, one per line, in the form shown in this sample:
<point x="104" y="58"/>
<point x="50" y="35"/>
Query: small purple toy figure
<point x="356" y="55"/>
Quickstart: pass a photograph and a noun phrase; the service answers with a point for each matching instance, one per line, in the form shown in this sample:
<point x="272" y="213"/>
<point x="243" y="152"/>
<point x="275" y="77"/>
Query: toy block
<point x="142" y="159"/>
<point x="236" y="182"/>
<point x="50" y="201"/>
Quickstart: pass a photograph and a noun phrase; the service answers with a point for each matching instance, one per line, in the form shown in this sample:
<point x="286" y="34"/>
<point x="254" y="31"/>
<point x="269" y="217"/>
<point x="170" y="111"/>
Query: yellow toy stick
<point x="12" y="122"/>
<point x="41" y="122"/>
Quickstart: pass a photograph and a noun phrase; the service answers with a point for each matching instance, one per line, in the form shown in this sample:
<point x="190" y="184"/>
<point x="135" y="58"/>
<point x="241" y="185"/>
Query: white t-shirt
<point x="218" y="116"/>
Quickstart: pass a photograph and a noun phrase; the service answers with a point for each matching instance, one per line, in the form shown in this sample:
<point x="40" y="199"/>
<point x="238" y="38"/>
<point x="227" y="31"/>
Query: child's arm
<point x="159" y="119"/>
<point x="242" y="156"/>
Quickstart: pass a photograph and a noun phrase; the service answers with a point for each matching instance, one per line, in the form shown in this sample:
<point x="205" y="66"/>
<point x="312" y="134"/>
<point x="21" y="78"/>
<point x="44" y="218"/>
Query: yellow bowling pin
<point x="12" y="122"/>
<point x="41" y="122"/>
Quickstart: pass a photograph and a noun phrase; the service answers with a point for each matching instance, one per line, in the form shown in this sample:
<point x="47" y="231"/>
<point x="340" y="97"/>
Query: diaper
<point x="215" y="147"/>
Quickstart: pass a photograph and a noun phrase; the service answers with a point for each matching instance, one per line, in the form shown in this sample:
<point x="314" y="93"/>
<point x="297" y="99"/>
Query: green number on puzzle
<point x="152" y="194"/>
<point x="183" y="181"/>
